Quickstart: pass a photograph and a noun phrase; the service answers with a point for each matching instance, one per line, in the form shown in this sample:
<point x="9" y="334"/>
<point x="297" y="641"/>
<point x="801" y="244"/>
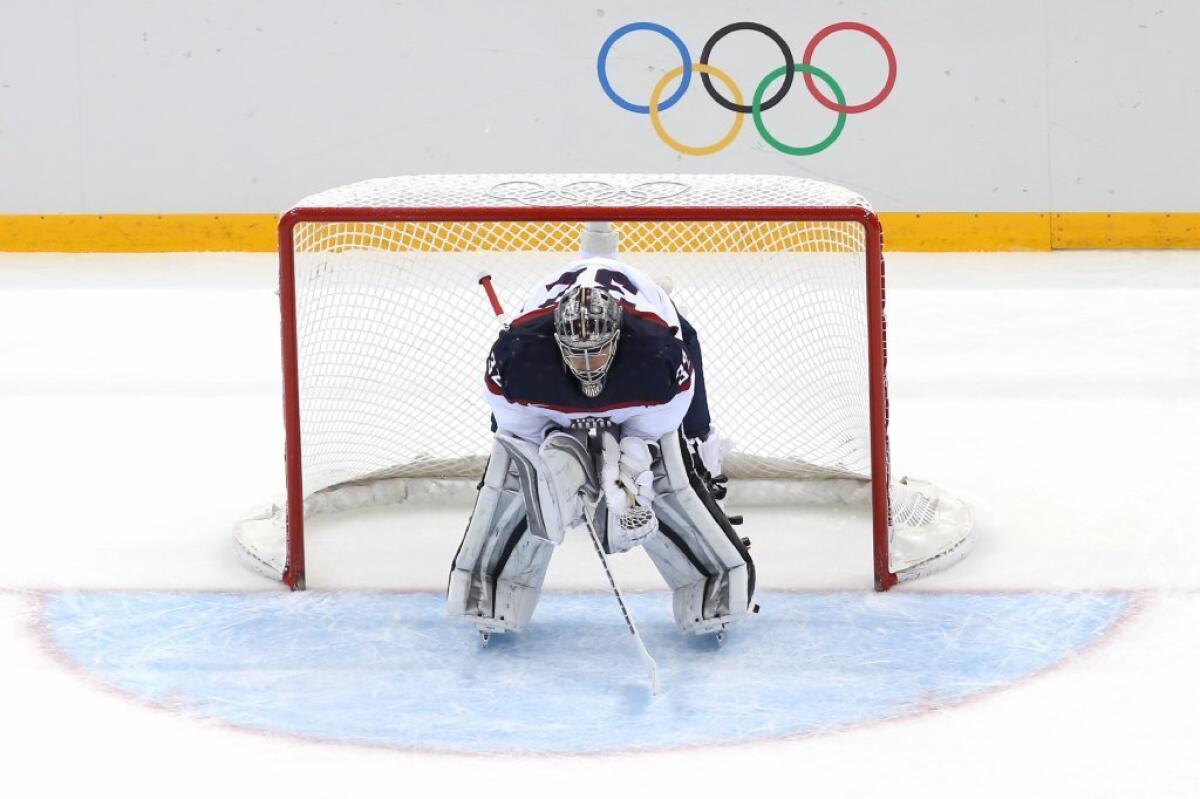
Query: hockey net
<point x="385" y="334"/>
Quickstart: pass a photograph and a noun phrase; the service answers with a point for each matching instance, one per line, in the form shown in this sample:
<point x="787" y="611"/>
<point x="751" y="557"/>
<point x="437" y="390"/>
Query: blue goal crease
<point x="391" y="670"/>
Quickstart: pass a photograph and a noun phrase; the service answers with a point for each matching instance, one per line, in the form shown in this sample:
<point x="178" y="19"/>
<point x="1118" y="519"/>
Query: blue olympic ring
<point x="644" y="26"/>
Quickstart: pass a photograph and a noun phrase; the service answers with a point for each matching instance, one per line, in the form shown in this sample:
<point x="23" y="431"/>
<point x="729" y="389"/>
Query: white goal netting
<point x="392" y="331"/>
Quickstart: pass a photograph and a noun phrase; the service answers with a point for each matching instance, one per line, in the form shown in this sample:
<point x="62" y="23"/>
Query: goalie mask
<point x="587" y="325"/>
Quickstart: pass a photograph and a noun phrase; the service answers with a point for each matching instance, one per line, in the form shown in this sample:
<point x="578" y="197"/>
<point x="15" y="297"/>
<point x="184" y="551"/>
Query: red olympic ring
<point x="887" y="50"/>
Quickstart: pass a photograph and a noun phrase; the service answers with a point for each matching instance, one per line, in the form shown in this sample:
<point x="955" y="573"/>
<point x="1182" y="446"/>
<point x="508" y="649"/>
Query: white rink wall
<point x="221" y="106"/>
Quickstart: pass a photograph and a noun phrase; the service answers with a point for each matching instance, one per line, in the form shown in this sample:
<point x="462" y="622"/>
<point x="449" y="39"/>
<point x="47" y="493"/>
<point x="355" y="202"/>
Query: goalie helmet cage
<point x="403" y="238"/>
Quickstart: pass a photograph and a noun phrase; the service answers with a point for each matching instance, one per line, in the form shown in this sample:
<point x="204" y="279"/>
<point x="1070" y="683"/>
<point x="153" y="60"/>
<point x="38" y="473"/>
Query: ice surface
<point x="388" y="669"/>
<point x="1060" y="392"/>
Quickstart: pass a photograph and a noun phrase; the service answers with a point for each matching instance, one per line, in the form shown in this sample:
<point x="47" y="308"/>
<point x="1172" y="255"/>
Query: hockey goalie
<point x="599" y="413"/>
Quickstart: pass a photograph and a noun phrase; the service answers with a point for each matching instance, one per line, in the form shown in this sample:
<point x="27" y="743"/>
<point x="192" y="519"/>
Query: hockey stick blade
<point x="648" y="664"/>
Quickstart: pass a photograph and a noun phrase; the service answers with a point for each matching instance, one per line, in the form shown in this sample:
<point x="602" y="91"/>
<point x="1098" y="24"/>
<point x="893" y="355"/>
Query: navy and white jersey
<point x="648" y="388"/>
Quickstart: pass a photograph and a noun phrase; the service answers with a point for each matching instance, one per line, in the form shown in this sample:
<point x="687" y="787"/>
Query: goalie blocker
<point x="530" y="496"/>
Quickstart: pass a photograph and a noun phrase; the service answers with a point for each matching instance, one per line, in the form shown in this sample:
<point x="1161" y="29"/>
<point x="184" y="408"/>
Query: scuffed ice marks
<point x="388" y="670"/>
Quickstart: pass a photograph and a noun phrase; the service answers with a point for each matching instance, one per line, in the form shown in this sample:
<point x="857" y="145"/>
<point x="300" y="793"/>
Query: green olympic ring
<point x="756" y="110"/>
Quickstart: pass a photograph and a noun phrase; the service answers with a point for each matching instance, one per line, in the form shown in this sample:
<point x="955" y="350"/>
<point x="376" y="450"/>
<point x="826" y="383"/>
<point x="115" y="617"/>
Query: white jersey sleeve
<point x="523" y="421"/>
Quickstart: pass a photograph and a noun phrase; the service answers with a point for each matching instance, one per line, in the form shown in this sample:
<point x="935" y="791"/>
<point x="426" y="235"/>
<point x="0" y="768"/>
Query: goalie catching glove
<point x="628" y="484"/>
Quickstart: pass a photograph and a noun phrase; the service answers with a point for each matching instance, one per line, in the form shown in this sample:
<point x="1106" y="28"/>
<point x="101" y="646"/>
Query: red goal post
<point x="423" y="227"/>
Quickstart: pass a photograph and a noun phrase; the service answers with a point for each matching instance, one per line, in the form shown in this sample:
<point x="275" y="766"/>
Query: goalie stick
<point x="647" y="661"/>
<point x="485" y="280"/>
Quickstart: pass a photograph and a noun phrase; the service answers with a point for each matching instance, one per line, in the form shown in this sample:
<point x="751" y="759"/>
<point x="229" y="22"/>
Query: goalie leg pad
<point x="497" y="574"/>
<point x="696" y="550"/>
<point x="519" y="586"/>
<point x="553" y="478"/>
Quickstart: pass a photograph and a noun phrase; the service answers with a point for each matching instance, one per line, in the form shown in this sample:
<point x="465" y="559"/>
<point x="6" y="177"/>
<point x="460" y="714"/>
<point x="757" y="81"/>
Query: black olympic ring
<point x="789" y="62"/>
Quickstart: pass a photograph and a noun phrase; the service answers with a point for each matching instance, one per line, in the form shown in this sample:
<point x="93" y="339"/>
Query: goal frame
<point x="294" y="571"/>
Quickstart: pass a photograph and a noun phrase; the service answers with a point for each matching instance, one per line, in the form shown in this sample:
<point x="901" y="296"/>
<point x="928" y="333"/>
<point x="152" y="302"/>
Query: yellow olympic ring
<point x="678" y="146"/>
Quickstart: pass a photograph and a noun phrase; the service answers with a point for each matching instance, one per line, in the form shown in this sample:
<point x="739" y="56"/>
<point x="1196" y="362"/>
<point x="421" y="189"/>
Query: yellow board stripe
<point x="138" y="233"/>
<point x="1125" y="231"/>
<point x="954" y="231"/>
<point x="904" y="231"/>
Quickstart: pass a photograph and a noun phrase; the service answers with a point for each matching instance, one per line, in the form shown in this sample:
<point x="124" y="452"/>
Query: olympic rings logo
<point x="586" y="192"/>
<point x="737" y="104"/>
